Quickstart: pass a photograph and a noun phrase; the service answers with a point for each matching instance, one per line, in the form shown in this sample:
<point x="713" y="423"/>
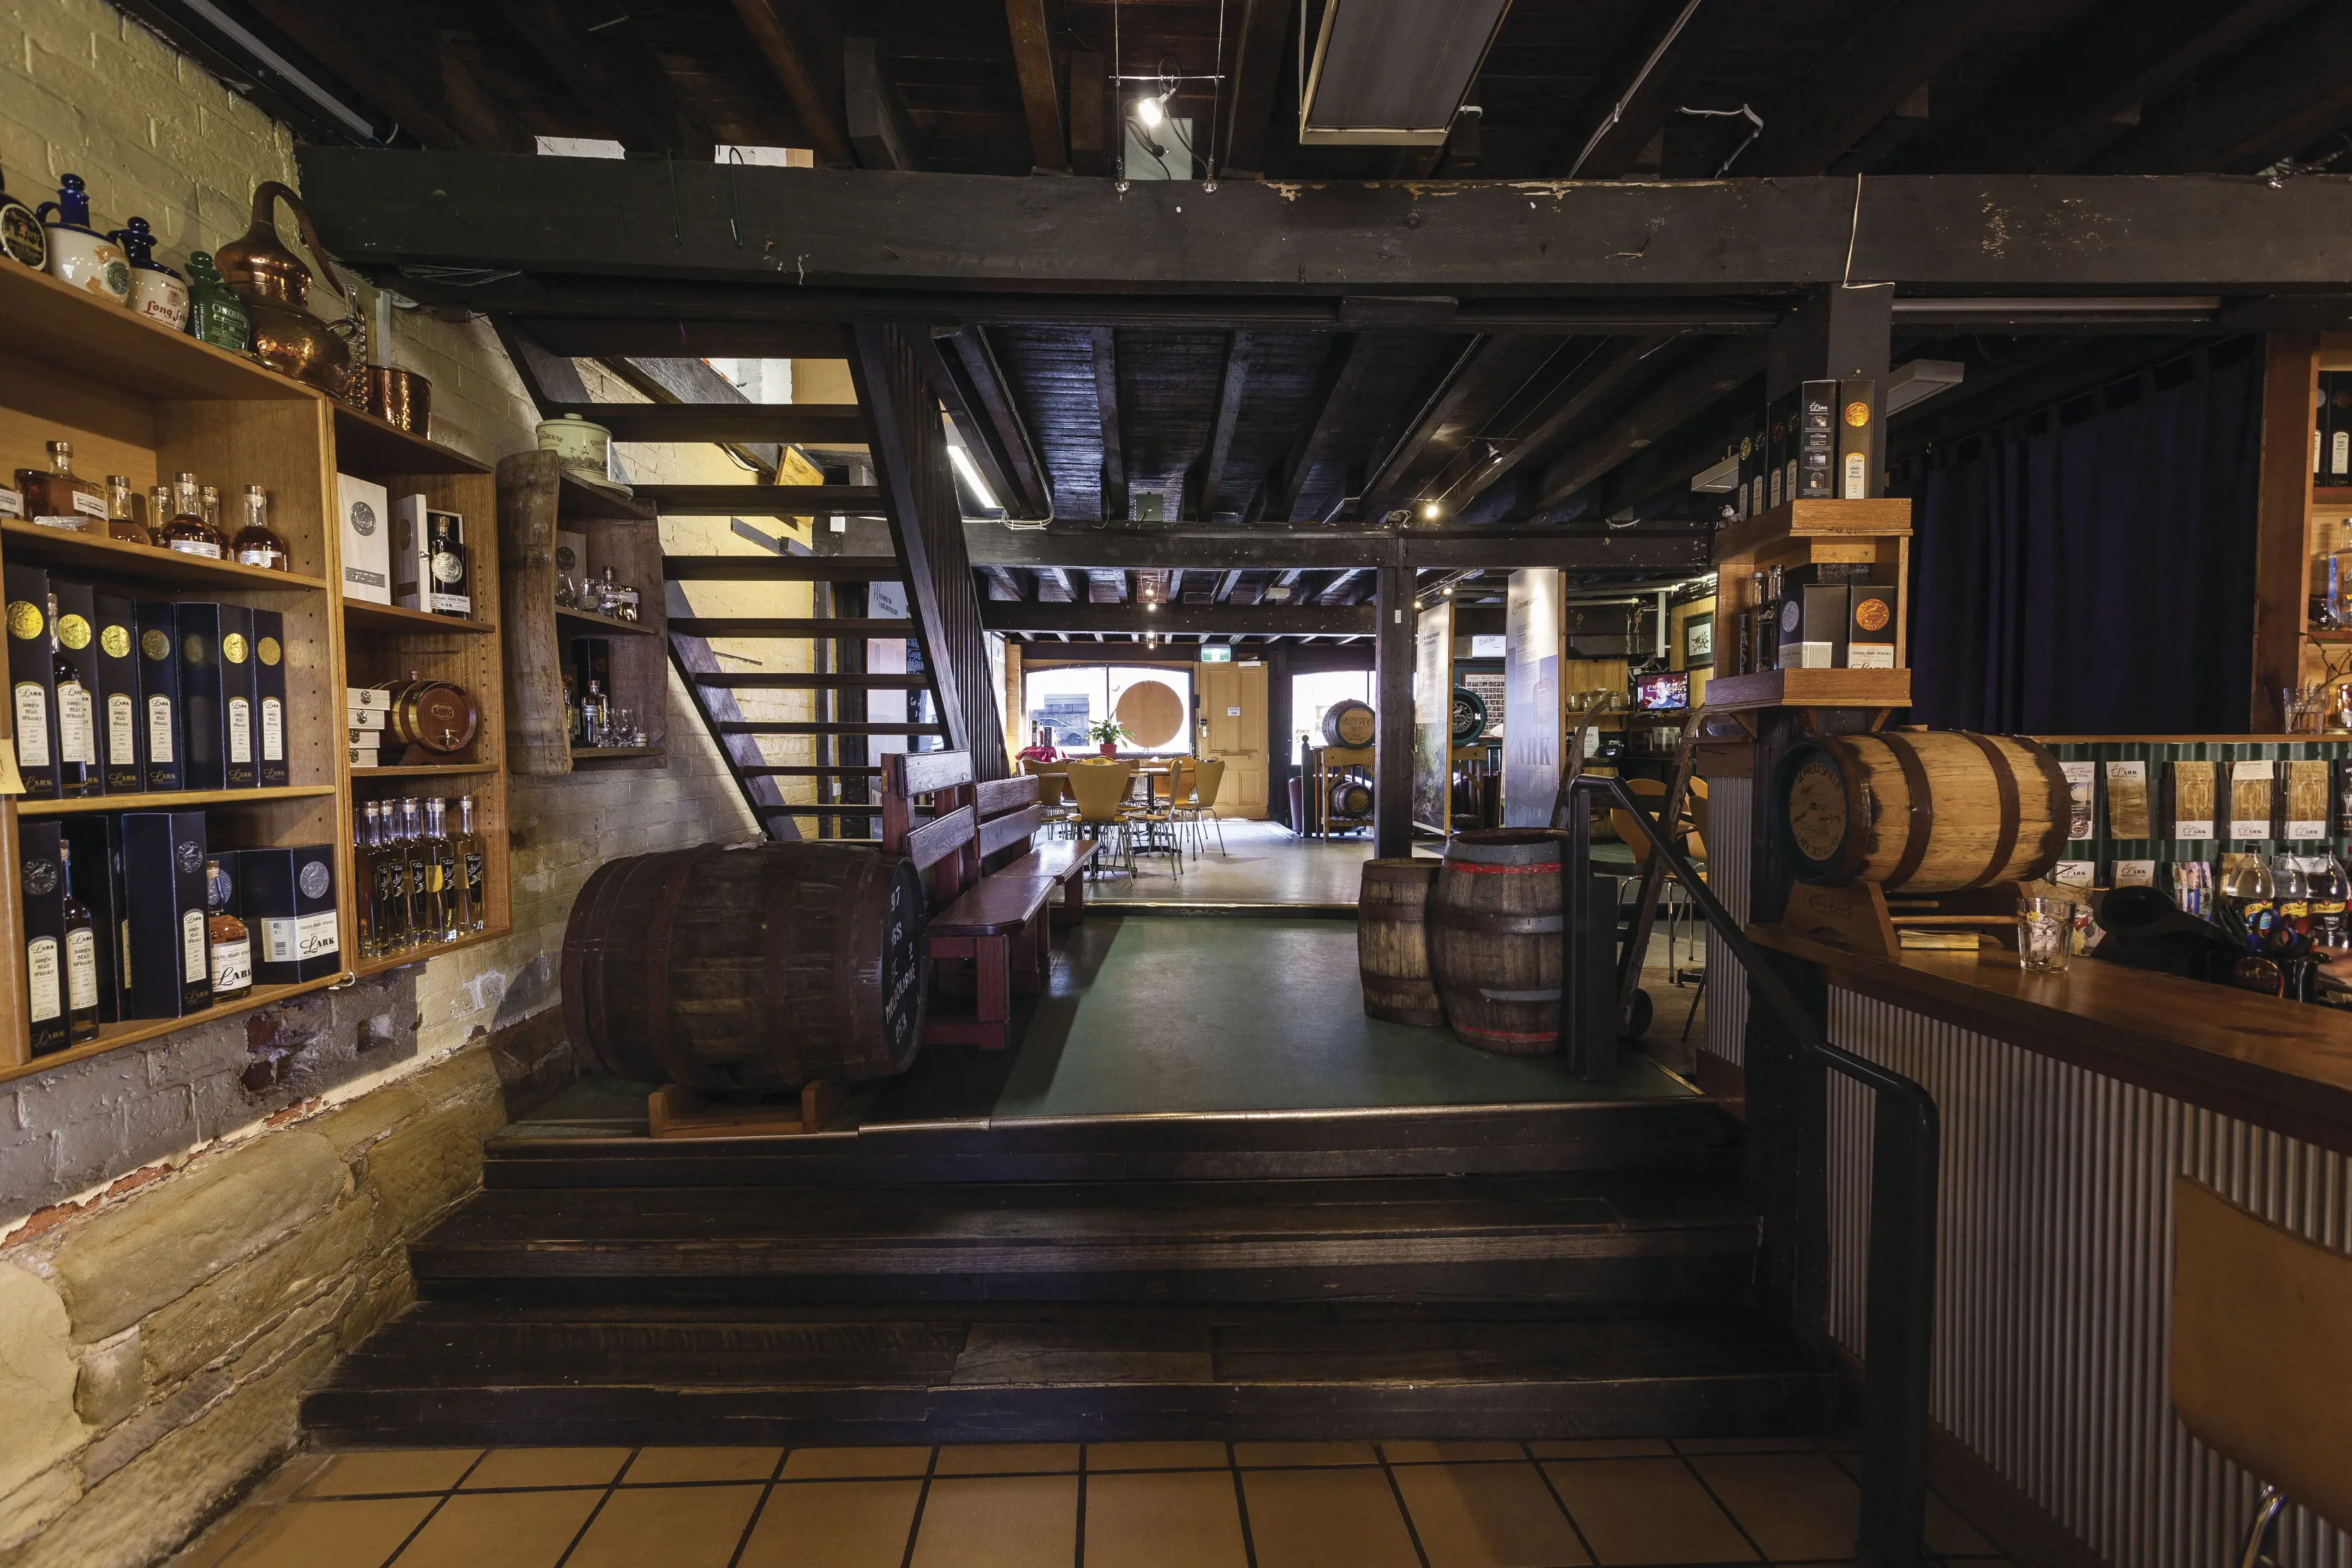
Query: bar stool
<point x="2260" y="1356"/>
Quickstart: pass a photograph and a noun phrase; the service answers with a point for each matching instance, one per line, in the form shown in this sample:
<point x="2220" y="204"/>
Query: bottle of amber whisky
<point x="77" y="728"/>
<point x="255" y="544"/>
<point x="60" y="498"/>
<point x="188" y="532"/>
<point x="120" y="522"/>
<point x="226" y="938"/>
<point x="82" y="959"/>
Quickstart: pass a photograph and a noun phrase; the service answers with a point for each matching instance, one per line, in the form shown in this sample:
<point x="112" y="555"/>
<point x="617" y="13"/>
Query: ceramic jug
<point x="275" y="286"/>
<point x="78" y="254"/>
<point x="156" y="291"/>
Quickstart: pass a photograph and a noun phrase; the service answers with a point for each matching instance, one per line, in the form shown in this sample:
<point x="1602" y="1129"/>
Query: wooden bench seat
<point x="997" y="904"/>
<point x="1065" y="862"/>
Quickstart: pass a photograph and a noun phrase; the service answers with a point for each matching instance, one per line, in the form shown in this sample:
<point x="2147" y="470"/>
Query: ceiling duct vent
<point x="1393" y="72"/>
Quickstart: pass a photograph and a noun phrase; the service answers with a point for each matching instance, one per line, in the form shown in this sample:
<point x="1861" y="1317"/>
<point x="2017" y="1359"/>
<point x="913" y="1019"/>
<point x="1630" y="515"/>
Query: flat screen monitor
<point x="1662" y="693"/>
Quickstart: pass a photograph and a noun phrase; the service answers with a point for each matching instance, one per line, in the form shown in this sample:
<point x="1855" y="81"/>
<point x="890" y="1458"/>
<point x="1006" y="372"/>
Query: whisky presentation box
<point x="163" y="875"/>
<point x="122" y="766"/>
<point x="412" y="554"/>
<point x="365" y="510"/>
<point x="96" y="841"/>
<point x="1817" y="406"/>
<point x="41" y="874"/>
<point x="1857" y="473"/>
<point x="31" y="679"/>
<point x="1869" y="627"/>
<point x="77" y="648"/>
<point x="239" y="737"/>
<point x="1812" y="626"/>
<point x="270" y="697"/>
<point x="204" y="726"/>
<point x="163" y="728"/>
<point x="288" y="903"/>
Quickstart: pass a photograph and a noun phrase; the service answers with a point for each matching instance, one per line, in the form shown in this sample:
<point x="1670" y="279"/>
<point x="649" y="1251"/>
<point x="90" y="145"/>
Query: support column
<point x="1837" y="333"/>
<point x="1393" y="661"/>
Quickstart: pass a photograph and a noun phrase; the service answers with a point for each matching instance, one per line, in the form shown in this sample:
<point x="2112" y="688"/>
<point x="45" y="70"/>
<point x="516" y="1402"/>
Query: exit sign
<point x="1216" y="655"/>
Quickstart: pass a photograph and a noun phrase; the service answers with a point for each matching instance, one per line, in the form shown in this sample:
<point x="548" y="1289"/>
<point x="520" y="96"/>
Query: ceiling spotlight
<point x="1148" y="111"/>
<point x="1429" y="511"/>
<point x="1449" y="590"/>
<point x="1149" y="604"/>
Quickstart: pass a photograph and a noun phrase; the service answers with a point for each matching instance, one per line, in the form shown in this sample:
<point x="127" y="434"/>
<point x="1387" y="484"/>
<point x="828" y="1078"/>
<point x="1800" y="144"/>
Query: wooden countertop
<point x="2279" y="1064"/>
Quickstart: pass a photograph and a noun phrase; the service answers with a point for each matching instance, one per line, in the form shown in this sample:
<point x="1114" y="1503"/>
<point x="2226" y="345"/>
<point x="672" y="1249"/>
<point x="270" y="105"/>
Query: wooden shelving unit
<point x="578" y="501"/>
<point x="1875" y="532"/>
<point x="137" y="399"/>
<point x="582" y="623"/>
<point x="580" y="754"/>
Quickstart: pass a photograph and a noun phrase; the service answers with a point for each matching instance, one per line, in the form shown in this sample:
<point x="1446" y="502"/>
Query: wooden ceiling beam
<point x="1641" y="89"/>
<point x="1226" y="583"/>
<point x="1114" y="449"/>
<point x="1179" y="619"/>
<point x="1092" y="119"/>
<point x="1589" y="375"/>
<point x="1053" y="585"/>
<point x="1289" y="554"/>
<point x="1041" y="105"/>
<point x="1205" y="480"/>
<point x="1461" y="379"/>
<point x="619" y="87"/>
<point x="972" y="385"/>
<point x="1002" y="586"/>
<point x="1826" y="113"/>
<point x="803" y="45"/>
<point x="1255" y="84"/>
<point x="874" y="117"/>
<point x="387" y="65"/>
<point x="2284" y="95"/>
<point x="1335" y="387"/>
<point x="1654" y="415"/>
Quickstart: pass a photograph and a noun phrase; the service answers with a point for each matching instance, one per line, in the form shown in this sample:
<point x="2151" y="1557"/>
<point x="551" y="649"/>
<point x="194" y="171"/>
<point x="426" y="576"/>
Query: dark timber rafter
<point x="2279" y="97"/>
<point x="1203" y="480"/>
<point x="980" y="400"/>
<point x="1461" y="379"/>
<point x="1586" y="382"/>
<point x="1641" y="89"/>
<point x="1263" y="619"/>
<point x="619" y="87"/>
<point x="1033" y="58"/>
<point x="802" y="44"/>
<point x="1335" y="386"/>
<point x="1114" y="448"/>
<point x="1257" y="77"/>
<point x="1653" y="416"/>
<point x="1833" y="107"/>
<point x="397" y="69"/>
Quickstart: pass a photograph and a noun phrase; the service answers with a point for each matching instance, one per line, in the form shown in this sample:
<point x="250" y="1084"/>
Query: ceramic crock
<point x="156" y="291"/>
<point x="78" y="254"/>
<point x="579" y="444"/>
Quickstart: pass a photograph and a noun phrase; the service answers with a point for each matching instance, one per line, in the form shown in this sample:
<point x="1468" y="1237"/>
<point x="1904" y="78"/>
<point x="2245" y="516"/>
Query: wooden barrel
<point x="1921" y="810"/>
<point x="747" y="971"/>
<point x="1351" y="798"/>
<point x="1392" y="942"/>
<point x="1349" y="723"/>
<point x="1494" y="939"/>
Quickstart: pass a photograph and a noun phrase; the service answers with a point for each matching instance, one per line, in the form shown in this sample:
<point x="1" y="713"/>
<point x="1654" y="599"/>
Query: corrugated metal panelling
<point x="2053" y="1278"/>
<point x="1731" y="805"/>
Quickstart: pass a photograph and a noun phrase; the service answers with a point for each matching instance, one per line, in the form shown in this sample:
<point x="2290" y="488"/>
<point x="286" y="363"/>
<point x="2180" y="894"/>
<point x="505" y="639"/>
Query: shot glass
<point x="2045" y="932"/>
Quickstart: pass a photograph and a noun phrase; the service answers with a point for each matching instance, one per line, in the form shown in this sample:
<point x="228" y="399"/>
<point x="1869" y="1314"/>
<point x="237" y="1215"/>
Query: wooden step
<point x="824" y="423"/>
<point x="819" y="726"/>
<point x="782" y="569"/>
<point x="823" y="771"/>
<point x="1596" y="1238"/>
<point x="476" y="1373"/>
<point x="757" y="626"/>
<point x="811" y="681"/>
<point x="758" y="500"/>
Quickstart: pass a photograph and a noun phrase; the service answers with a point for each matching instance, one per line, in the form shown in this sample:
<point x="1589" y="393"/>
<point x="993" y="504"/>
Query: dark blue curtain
<point x="2090" y="569"/>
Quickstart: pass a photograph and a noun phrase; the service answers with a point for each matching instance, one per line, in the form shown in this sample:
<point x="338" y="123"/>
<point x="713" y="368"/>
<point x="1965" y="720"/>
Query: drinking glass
<point x="2045" y="934"/>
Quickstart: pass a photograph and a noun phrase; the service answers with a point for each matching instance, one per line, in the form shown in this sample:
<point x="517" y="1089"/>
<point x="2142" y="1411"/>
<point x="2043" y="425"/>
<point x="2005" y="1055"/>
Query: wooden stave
<point x="1392" y="941"/>
<point x="1513" y="899"/>
<point x="786" y="984"/>
<point x="2021" y="838"/>
<point x="1338" y="719"/>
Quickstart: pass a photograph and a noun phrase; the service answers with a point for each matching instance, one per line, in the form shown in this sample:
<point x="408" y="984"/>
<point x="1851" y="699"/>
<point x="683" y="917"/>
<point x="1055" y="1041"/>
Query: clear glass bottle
<point x="78" y="772"/>
<point x="2328" y="887"/>
<point x="121" y="523"/>
<point x="81" y="960"/>
<point x="226" y="939"/>
<point x="255" y="544"/>
<point x="387" y="880"/>
<point x="595" y="717"/>
<point x="443" y="877"/>
<point x="467" y="844"/>
<point x="363" y="869"/>
<point x="2293" y="893"/>
<point x="412" y="857"/>
<point x="188" y="531"/>
<point x="58" y="497"/>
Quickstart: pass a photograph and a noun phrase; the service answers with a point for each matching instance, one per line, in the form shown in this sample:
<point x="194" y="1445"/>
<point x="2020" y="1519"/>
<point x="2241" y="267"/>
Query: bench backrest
<point x="969" y="824"/>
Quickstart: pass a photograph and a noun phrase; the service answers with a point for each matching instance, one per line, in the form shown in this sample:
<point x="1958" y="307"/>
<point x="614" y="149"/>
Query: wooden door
<point x="1232" y="713"/>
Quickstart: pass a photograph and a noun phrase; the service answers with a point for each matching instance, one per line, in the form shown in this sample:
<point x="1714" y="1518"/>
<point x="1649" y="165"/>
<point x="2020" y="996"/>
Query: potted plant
<point x="1107" y="733"/>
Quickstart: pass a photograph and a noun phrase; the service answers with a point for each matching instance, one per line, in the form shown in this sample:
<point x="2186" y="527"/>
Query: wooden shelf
<point x="603" y="624"/>
<point x="369" y="616"/>
<point x="430" y="950"/>
<point x="423" y="770"/>
<point x="145" y="563"/>
<point x="168" y="801"/>
<point x="367" y="445"/>
<point x="79" y="335"/>
<point x="115" y="1035"/>
<point x="1887" y="517"/>
<point x="2331" y="495"/>
<point x="611" y="753"/>
<point x="578" y="501"/>
<point x="2329" y="634"/>
<point x="1810" y="688"/>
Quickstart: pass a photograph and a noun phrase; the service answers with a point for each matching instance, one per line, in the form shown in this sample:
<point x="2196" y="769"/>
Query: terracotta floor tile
<point x="1182" y="1519"/>
<point x="653" y="1465"/>
<point x="1647" y="1511"/>
<point x="1249" y="1454"/>
<point x="395" y="1470"/>
<point x="1422" y="1453"/>
<point x="1746" y="1445"/>
<point x="834" y="1524"/>
<point x="225" y="1534"/>
<point x="1103" y="1456"/>
<point x="842" y="1464"/>
<point x="1602" y="1448"/>
<point x="547" y="1468"/>
<point x="1327" y="1519"/>
<point x="332" y="1534"/>
<point x="1487" y="1516"/>
<point x="999" y="1521"/>
<point x="291" y="1477"/>
<point x="1007" y="1459"/>
<point x="677" y="1527"/>
<point x="501" y="1529"/>
<point x="1800" y="1508"/>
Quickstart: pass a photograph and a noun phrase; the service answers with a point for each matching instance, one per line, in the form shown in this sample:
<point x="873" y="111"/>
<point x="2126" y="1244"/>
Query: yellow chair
<point x="1157" y="820"/>
<point x="1052" y="787"/>
<point x="1098" y="789"/>
<point x="1200" y="803"/>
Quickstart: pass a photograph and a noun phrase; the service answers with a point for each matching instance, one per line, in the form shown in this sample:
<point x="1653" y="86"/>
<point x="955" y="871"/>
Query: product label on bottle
<point x="240" y="730"/>
<point x="76" y="740"/>
<point x="232" y="965"/>
<point x="32" y="724"/>
<point x="122" y="956"/>
<point x="46" y="998"/>
<point x="452" y="603"/>
<point x="12" y="502"/>
<point x="2339" y="453"/>
<point x="273" y="730"/>
<point x="197" y="546"/>
<point x="159" y="729"/>
<point x="251" y="556"/>
<point x="121" y="731"/>
<point x="191" y="944"/>
<point x="81" y="967"/>
<point x="1857" y="477"/>
<point x="287" y="941"/>
<point x="89" y="506"/>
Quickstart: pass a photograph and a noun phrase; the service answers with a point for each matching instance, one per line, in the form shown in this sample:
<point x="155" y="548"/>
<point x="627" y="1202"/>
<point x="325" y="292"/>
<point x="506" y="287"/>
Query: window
<point x="1067" y="698"/>
<point x="1311" y="697"/>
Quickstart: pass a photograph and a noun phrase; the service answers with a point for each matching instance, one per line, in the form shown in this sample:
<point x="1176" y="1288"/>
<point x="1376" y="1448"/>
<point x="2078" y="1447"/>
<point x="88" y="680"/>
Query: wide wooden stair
<point x="1553" y="1272"/>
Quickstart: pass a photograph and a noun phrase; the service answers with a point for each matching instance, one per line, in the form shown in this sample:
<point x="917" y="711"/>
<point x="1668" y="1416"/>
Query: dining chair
<point x="1182" y="772"/>
<point x="1156" y="818"/>
<point x="1200" y="805"/>
<point x="1053" y="789"/>
<point x="1099" y="792"/>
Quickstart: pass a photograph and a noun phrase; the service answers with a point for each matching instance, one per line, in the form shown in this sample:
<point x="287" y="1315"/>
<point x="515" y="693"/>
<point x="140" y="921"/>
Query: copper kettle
<point x="275" y="287"/>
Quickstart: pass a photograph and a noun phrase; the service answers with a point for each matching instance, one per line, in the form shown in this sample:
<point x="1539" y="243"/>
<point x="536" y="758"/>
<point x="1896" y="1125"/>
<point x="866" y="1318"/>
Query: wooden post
<point x="2283" y="520"/>
<point x="1392" y="660"/>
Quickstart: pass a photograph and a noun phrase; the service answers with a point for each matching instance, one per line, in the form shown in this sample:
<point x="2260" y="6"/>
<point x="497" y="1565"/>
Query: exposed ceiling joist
<point x="2291" y="90"/>
<point x="1203" y="482"/>
<point x="1588" y="376"/>
<point x="980" y="400"/>
<point x="881" y="133"/>
<point x="1335" y="388"/>
<point x="619" y="86"/>
<point x="1111" y="551"/>
<point x="1053" y="585"/>
<point x="1641" y="89"/>
<point x="1179" y="619"/>
<point x="1256" y="78"/>
<point x="1114" y="447"/>
<point x="1653" y="416"/>
<point x="1032" y="60"/>
<point x="1833" y="107"/>
<point x="803" y="45"/>
<point x="1437" y="410"/>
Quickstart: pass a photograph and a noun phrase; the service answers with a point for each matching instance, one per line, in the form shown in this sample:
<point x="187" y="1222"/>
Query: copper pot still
<point x="436" y="714"/>
<point x="275" y="286"/>
<point x="401" y="397"/>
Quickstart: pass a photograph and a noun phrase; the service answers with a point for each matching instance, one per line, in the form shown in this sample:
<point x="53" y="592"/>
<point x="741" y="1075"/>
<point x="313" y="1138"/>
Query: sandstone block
<point x="37" y="1378"/>
<point x="176" y="1234"/>
<point x="352" y="1126"/>
<point x="113" y="1381"/>
<point x="220" y="1314"/>
<point x="433" y="1161"/>
<point x="28" y="1511"/>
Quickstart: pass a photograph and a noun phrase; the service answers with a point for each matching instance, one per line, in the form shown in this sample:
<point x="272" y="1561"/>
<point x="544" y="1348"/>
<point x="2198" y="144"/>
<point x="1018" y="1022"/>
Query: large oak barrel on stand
<point x="1392" y="941"/>
<point x="1494" y="939"/>
<point x="1349" y="723"/>
<point x="1920" y="810"/>
<point x="751" y="970"/>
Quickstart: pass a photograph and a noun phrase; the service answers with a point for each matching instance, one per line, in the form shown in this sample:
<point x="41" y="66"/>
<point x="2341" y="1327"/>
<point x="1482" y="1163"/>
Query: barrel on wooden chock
<point x="751" y="970"/>
<point x="1392" y="941"/>
<point x="1349" y="723"/>
<point x="1351" y="798"/>
<point x="1920" y="810"/>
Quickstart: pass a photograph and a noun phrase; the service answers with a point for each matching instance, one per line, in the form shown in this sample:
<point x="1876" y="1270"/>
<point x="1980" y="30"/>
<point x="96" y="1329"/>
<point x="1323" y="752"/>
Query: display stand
<point x="672" y="1112"/>
<point x="1327" y="765"/>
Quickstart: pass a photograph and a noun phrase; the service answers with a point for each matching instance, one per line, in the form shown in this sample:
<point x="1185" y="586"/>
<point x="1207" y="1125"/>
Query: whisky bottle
<point x="440" y="863"/>
<point x="469" y="845"/>
<point x="2340" y="431"/>
<point x="412" y="857"/>
<point x="255" y="544"/>
<point x="226" y="940"/>
<point x="120" y="522"/>
<point x="364" y="867"/>
<point x="188" y="532"/>
<point x="77" y="729"/>
<point x="451" y="591"/>
<point x="386" y="880"/>
<point x="214" y="315"/>
<point x="60" y="498"/>
<point x="81" y="960"/>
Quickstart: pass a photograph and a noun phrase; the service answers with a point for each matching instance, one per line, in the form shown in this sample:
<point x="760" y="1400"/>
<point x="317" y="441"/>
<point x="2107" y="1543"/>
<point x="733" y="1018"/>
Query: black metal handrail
<point x="1899" y="1309"/>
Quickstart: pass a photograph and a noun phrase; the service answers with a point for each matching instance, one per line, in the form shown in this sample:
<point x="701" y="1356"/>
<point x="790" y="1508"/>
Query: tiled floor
<point x="1067" y="1505"/>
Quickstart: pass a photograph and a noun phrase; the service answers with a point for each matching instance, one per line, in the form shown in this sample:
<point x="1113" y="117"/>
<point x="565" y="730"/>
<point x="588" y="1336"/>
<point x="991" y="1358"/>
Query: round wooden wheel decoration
<point x="1152" y="713"/>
